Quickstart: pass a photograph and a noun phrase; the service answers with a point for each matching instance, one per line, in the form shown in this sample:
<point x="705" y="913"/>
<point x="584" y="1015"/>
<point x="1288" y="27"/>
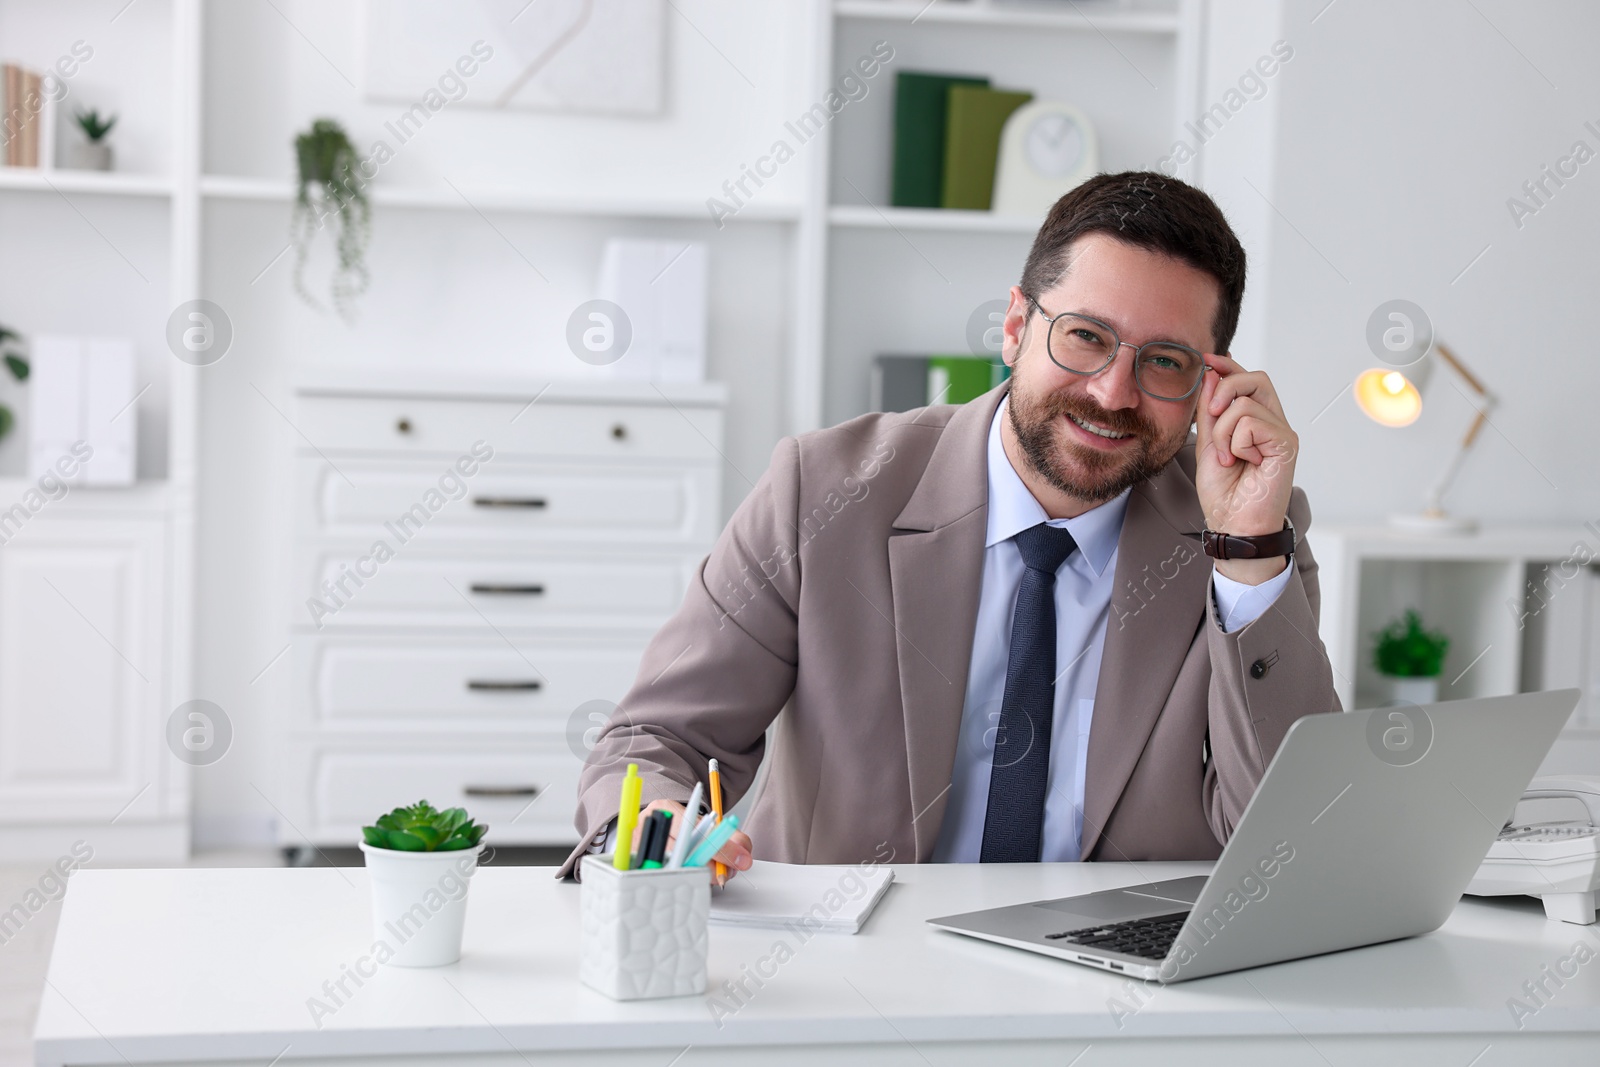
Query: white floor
<point x="26" y="956"/>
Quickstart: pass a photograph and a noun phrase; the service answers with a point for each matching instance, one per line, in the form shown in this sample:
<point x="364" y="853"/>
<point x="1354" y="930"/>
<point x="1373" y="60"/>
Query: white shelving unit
<point x="1022" y="15"/>
<point x="876" y="278"/>
<point x="222" y="187"/>
<point x="1476" y="589"/>
<point x="97" y="587"/>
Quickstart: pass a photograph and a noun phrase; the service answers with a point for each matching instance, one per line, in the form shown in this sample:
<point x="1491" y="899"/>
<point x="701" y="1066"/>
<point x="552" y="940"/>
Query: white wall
<point x="451" y="289"/>
<point x="1402" y="129"/>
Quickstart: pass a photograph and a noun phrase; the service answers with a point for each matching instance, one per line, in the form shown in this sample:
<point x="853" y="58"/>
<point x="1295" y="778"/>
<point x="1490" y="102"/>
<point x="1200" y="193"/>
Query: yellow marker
<point x="627" y="817"/>
<point x="716" y="813"/>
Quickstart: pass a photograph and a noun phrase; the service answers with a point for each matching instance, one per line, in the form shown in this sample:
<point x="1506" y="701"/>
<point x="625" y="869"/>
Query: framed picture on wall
<point x="595" y="56"/>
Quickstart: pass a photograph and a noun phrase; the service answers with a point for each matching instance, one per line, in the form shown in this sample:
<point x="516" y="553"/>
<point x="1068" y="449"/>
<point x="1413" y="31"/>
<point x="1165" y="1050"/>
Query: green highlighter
<point x="655" y="849"/>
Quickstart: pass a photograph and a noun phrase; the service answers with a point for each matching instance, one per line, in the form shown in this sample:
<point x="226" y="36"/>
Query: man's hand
<point x="736" y="852"/>
<point x="1244" y="461"/>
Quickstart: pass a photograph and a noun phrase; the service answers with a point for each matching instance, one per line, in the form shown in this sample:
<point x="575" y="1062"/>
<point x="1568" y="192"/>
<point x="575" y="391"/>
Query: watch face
<point x="1054" y="146"/>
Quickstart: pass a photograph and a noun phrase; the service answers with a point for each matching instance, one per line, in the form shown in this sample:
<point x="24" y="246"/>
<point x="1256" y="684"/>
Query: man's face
<point x="1145" y="296"/>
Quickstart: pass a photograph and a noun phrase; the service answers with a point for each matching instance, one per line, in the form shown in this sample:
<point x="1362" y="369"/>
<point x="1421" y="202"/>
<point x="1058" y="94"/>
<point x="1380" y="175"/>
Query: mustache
<point x="1123" y="420"/>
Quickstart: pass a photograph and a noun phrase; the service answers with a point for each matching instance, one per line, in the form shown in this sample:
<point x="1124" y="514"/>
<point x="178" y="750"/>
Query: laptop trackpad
<point x="1133" y="902"/>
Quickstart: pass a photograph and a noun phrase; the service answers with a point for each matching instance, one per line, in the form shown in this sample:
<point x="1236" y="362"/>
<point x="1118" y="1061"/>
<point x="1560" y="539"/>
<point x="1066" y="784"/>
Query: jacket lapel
<point x="935" y="574"/>
<point x="1159" y="596"/>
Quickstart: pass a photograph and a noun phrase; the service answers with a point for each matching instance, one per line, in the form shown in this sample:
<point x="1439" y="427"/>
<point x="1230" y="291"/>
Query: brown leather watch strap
<point x="1236" y="546"/>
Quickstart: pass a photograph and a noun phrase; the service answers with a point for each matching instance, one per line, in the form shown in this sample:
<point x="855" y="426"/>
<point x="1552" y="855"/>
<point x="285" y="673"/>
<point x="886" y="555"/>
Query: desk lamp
<point x="1391" y="397"/>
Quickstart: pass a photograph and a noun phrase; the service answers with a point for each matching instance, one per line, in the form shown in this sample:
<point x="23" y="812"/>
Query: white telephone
<point x="1556" y="861"/>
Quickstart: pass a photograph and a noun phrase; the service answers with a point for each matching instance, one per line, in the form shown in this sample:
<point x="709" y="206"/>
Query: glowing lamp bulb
<point x="1388" y="397"/>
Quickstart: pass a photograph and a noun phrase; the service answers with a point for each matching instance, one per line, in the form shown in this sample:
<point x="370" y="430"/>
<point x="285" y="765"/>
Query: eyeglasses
<point x="1165" y="370"/>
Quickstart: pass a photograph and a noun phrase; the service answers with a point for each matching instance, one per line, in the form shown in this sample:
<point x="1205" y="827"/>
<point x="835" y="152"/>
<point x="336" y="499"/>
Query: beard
<point x="1076" y="469"/>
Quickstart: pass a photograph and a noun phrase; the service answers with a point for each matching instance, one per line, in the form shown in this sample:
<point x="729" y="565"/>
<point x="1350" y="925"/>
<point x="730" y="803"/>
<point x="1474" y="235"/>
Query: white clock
<point x="1046" y="148"/>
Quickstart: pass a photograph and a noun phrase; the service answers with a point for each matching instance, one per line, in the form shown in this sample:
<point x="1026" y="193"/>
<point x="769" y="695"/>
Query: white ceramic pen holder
<point x="644" y="931"/>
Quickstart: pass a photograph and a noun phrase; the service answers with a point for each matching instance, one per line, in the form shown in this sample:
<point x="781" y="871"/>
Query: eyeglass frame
<point x="1112" y="330"/>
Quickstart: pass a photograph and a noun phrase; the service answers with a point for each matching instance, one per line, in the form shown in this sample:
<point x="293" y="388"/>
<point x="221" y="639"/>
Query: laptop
<point x="1367" y="827"/>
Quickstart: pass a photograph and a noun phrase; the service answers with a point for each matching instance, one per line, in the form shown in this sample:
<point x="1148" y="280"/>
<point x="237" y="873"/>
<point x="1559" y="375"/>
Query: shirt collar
<point x="1013" y="508"/>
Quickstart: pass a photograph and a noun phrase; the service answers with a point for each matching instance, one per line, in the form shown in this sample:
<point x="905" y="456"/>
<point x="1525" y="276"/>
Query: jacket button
<point x="1258" y="669"/>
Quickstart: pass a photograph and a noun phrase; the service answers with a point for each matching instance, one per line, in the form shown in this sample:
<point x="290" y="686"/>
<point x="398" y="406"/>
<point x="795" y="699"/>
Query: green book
<point x="900" y="383"/>
<point x="958" y="379"/>
<point x="920" y="102"/>
<point x="972" y="143"/>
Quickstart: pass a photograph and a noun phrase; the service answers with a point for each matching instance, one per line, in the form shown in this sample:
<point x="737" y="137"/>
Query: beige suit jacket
<point x="844" y="593"/>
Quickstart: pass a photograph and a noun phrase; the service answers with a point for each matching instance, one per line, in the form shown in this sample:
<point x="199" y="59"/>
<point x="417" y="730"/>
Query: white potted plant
<point x="1411" y="658"/>
<point x="95" y="151"/>
<point x="420" y="862"/>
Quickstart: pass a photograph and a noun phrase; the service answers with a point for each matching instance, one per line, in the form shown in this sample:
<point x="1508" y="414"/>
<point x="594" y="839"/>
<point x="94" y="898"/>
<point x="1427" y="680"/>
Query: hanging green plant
<point x="19" y="368"/>
<point x="1406" y="650"/>
<point x="331" y="187"/>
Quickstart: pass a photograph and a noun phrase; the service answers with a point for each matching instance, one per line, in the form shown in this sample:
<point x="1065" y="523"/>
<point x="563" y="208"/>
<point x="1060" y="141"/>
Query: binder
<point x="920" y="109"/>
<point x="972" y="143"/>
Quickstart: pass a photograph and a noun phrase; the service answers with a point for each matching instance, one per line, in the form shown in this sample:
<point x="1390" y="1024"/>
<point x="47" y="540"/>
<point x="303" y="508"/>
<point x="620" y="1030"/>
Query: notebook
<point x="972" y="144"/>
<point x="772" y="895"/>
<point x="920" y="105"/>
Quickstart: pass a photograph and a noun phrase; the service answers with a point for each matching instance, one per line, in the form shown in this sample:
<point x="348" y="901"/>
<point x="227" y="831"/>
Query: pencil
<point x="719" y="867"/>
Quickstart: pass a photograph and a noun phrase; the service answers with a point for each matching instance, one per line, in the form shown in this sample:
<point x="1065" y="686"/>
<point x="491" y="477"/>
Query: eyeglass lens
<point x="1165" y="371"/>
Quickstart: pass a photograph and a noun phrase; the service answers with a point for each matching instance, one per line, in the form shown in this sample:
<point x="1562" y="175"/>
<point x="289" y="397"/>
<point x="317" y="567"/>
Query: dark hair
<point x="1151" y="211"/>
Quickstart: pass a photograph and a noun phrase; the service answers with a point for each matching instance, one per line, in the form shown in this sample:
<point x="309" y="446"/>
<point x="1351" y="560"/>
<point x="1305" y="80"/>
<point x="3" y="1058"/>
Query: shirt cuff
<point x="603" y="845"/>
<point x="1239" y="605"/>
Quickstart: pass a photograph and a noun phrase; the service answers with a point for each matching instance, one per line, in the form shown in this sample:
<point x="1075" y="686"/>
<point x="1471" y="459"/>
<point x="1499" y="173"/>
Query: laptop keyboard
<point x="1150" y="938"/>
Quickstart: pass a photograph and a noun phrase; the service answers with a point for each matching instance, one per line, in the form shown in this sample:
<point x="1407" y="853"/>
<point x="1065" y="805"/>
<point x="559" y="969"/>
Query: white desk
<point x="218" y="965"/>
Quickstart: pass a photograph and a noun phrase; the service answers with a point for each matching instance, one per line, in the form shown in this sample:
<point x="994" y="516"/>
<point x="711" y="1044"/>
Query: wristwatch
<point x="1262" y="546"/>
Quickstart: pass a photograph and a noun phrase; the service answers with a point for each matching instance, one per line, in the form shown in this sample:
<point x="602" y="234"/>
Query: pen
<point x="714" y="840"/>
<point x="716" y="809"/>
<point x="647" y="834"/>
<point x="627" y="817"/>
<point x="680" y="848"/>
<point x="656" y="849"/>
<point x="698" y="834"/>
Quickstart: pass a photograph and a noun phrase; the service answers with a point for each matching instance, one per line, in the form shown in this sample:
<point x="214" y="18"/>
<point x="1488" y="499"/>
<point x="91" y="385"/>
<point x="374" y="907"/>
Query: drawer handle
<point x="507" y="590"/>
<point x="501" y="790"/>
<point x="619" y="432"/>
<point x="402" y="425"/>
<point x="509" y="502"/>
<point x="503" y="686"/>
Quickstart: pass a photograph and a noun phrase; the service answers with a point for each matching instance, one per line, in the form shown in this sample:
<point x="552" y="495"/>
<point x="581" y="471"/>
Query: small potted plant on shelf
<point x="94" y="153"/>
<point x="1411" y="658"/>
<point x="420" y="861"/>
<point x="331" y="187"/>
<point x="19" y="368"/>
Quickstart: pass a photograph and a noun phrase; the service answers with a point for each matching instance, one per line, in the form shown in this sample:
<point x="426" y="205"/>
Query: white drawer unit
<point x="448" y="682"/>
<point x="524" y="790"/>
<point x="398" y="426"/>
<point x="507" y="499"/>
<point x="429" y="588"/>
<point x="472" y="575"/>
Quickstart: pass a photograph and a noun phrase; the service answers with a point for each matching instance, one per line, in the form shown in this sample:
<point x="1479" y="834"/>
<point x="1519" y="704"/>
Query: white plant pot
<point x="1413" y="691"/>
<point x="419" y="903"/>
<point x="88" y="155"/>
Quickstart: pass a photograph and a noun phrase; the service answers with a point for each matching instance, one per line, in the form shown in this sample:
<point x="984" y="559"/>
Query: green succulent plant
<point x="94" y="127"/>
<point x="422" y="828"/>
<point x="1405" y="650"/>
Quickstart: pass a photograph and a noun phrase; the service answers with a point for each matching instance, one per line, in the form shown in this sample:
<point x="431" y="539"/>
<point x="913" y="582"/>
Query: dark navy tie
<point x="1013" y="827"/>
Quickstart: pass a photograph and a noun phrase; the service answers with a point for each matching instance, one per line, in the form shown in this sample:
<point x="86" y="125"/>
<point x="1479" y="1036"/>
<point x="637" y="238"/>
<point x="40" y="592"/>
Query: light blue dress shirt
<point x="1083" y="605"/>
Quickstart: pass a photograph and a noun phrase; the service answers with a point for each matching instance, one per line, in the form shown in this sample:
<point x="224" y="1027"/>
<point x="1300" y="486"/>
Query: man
<point x="998" y="629"/>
